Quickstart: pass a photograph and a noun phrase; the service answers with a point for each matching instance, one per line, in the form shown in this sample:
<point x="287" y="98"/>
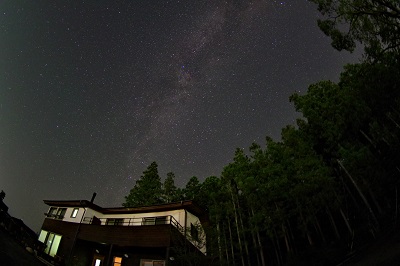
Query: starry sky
<point x="91" y="92"/>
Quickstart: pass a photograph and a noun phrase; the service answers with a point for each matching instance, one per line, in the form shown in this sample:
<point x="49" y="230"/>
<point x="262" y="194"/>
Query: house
<point x="79" y="232"/>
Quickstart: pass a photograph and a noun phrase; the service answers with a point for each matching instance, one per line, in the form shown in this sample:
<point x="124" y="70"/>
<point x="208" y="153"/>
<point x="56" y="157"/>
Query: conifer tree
<point x="147" y="190"/>
<point x="170" y="191"/>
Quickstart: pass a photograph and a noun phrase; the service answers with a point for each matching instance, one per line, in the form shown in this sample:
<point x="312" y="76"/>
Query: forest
<point x="331" y="183"/>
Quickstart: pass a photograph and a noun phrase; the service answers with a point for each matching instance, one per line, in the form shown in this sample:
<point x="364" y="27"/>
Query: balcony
<point x="142" y="221"/>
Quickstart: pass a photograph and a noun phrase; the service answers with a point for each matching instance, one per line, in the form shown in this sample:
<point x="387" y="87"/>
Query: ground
<point x="385" y="251"/>
<point x="12" y="253"/>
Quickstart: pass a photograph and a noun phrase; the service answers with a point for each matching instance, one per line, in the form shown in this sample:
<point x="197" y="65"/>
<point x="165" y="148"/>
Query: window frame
<point x="117" y="263"/>
<point x="144" y="262"/>
<point x="115" y="221"/>
<point x="47" y="237"/>
<point x="194" y="232"/>
<point x="60" y="213"/>
<point x="75" y="212"/>
<point x="155" y="220"/>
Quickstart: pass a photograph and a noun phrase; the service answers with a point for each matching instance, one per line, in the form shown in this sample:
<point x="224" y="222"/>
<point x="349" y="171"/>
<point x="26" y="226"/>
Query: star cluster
<point x="92" y="92"/>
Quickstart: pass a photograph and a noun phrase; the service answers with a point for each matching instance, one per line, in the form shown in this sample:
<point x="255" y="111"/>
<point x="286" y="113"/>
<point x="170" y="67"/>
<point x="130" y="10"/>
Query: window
<point x="162" y="220"/>
<point x="97" y="260"/>
<point x="57" y="213"/>
<point x="194" y="232"/>
<point x="113" y="221"/>
<point x="117" y="261"/>
<point x="60" y="213"/>
<point x="149" y="221"/>
<point x="42" y="236"/>
<point x="152" y="262"/>
<point x="74" y="212"/>
<point x="52" y="212"/>
<point x="51" y="240"/>
<point x="155" y="220"/>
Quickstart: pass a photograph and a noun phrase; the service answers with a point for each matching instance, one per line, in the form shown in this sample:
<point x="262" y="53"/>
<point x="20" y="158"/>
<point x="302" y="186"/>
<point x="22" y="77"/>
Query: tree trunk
<point x="246" y="248"/>
<point x="361" y="195"/>
<point x="232" y="249"/>
<point x="285" y="233"/>
<point x="275" y="241"/>
<point x="291" y="238"/>
<point x="226" y="246"/>
<point x="253" y="237"/>
<point x="351" y="196"/>
<point x="219" y="241"/>
<point x="346" y="221"/>
<point x="335" y="229"/>
<point x="309" y="238"/>
<point x="318" y="227"/>
<point x="259" y="247"/>
<point x="237" y="227"/>
<point x="396" y="211"/>
<point x="376" y="203"/>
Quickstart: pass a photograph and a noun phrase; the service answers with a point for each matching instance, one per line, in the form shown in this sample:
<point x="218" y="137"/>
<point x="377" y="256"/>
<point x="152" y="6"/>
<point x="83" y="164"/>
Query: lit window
<point x="74" y="213"/>
<point x="117" y="261"/>
<point x="42" y="236"/>
<point x="51" y="240"/>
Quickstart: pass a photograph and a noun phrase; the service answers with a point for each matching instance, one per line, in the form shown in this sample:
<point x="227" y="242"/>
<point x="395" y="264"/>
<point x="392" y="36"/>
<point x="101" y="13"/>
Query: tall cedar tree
<point x="170" y="191"/>
<point x="147" y="190"/>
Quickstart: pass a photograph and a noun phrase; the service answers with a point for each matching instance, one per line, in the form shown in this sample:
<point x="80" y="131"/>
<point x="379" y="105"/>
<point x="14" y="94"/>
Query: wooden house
<point x="79" y="232"/>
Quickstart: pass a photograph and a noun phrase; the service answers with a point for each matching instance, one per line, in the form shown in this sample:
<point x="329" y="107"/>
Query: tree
<point x="147" y="190"/>
<point x="170" y="191"/>
<point x="192" y="189"/>
<point x="373" y="23"/>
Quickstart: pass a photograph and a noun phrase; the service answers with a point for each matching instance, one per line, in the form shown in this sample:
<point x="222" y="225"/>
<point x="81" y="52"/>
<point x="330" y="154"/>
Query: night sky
<point x="91" y="93"/>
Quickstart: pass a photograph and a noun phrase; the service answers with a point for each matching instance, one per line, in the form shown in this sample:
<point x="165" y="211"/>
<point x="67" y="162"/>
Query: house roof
<point x="188" y="205"/>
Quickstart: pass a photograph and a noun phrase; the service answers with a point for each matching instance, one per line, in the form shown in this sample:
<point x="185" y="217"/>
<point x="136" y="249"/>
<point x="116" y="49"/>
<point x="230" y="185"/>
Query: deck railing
<point x="137" y="221"/>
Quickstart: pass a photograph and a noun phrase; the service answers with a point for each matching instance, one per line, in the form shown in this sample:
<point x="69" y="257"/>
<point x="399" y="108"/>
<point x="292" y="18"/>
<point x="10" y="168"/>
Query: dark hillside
<point x="11" y="253"/>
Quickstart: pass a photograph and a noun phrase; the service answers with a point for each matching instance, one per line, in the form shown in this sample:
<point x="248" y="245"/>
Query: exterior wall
<point x="67" y="231"/>
<point x="90" y="213"/>
<point x="141" y="242"/>
<point x="192" y="219"/>
<point x="178" y="215"/>
<point x="84" y="252"/>
<point x="132" y="239"/>
<point x="77" y="219"/>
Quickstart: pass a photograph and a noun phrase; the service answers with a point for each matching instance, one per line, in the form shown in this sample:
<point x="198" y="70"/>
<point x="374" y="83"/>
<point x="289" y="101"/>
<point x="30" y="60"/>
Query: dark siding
<point x="68" y="232"/>
<point x="139" y="236"/>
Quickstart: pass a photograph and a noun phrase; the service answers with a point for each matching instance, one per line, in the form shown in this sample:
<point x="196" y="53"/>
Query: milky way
<point x="92" y="93"/>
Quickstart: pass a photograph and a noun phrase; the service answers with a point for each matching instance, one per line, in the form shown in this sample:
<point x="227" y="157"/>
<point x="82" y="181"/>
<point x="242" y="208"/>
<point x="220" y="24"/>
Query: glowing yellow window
<point x="117" y="261"/>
